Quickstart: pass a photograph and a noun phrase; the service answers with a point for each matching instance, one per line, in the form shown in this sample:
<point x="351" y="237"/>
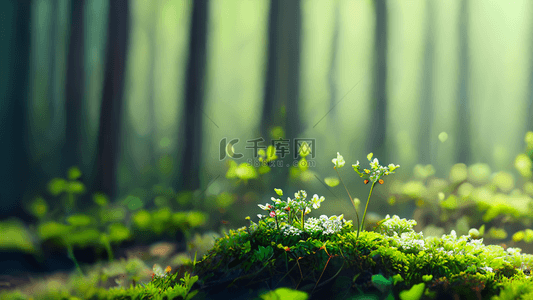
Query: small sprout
<point x="279" y="192"/>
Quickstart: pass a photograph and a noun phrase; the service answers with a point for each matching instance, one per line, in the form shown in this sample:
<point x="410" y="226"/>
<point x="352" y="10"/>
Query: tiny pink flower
<point x="272" y="213"/>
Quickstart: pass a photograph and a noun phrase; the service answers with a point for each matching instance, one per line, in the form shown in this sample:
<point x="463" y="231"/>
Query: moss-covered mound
<point x="392" y="263"/>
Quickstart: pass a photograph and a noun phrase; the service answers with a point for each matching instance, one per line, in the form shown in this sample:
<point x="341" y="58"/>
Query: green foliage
<point x="414" y="293"/>
<point x="407" y="264"/>
<point x="284" y="293"/>
<point x="14" y="236"/>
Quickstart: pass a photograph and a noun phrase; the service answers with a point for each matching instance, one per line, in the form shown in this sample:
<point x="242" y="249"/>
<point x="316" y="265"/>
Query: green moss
<point x="400" y="261"/>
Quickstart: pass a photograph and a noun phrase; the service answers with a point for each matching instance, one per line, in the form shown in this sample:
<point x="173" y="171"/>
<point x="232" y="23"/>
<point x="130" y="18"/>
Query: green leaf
<point x="133" y="203"/>
<point x="14" y="236"/>
<point x="279" y="192"/>
<point x="56" y="186"/>
<point x="79" y="220"/>
<point x="76" y="187"/>
<point x="332" y="181"/>
<point x="414" y="293"/>
<point x="52" y="229"/>
<point x="74" y="173"/>
<point x="196" y="218"/>
<point x="118" y="232"/>
<point x="284" y="293"/>
<point x="142" y="219"/>
<point x="225" y="199"/>
<point x="38" y="207"/>
<point x="381" y="282"/>
<point x="100" y="199"/>
<point x="369" y="156"/>
<point x="397" y="278"/>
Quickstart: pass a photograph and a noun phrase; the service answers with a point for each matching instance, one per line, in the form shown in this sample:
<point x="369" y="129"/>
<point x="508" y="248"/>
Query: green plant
<point x="373" y="175"/>
<point x="288" y="216"/>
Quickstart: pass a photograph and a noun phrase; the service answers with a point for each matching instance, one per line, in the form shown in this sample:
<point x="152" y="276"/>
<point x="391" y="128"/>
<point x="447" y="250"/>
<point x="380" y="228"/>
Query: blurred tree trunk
<point x="426" y="140"/>
<point x="108" y="144"/>
<point x="150" y="139"/>
<point x="280" y="104"/>
<point x="529" y="124"/>
<point x="15" y="21"/>
<point x="191" y="139"/>
<point x="377" y="133"/>
<point x="332" y="78"/>
<point x="71" y="152"/>
<point x="463" y="114"/>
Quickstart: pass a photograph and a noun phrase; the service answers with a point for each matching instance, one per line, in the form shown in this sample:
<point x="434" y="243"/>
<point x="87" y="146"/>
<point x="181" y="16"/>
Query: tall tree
<point x="71" y="152"/>
<point x="189" y="173"/>
<point x="108" y="144"/>
<point x="280" y="104"/>
<point x="332" y="78"/>
<point x="529" y="125"/>
<point x="15" y="19"/>
<point x="426" y="111"/>
<point x="377" y="133"/>
<point x="463" y="114"/>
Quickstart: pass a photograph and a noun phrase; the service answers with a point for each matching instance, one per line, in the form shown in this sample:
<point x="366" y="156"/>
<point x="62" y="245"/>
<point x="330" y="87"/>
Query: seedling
<point x="372" y="175"/>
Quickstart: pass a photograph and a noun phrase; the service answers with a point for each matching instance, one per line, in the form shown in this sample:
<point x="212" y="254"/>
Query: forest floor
<point x="28" y="282"/>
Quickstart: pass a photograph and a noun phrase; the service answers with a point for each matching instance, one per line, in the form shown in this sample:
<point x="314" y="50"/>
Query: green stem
<point x="71" y="256"/>
<point x="367" y="201"/>
<point x="351" y="199"/>
<point x="303" y="228"/>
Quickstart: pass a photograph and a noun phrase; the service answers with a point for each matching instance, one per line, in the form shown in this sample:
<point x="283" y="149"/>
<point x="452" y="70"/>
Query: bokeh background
<point x="124" y="110"/>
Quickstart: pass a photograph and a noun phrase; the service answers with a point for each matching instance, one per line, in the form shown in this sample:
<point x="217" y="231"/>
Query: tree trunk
<point x="74" y="87"/>
<point x="111" y="109"/>
<point x="332" y="72"/>
<point x="189" y="168"/>
<point x="377" y="133"/>
<point x="426" y="140"/>
<point x="280" y="104"/>
<point x="463" y="115"/>
<point x="15" y="58"/>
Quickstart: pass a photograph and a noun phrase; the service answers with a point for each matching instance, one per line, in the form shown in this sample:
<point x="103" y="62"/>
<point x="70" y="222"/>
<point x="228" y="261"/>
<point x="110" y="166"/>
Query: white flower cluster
<point x="409" y="241"/>
<point x="325" y="225"/>
<point x="513" y="251"/>
<point x="487" y="269"/>
<point x="291" y="230"/>
<point x="393" y="225"/>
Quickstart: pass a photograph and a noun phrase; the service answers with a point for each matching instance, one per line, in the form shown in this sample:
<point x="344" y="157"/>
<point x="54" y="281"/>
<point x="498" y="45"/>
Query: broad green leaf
<point x="332" y="181"/>
<point x="414" y="293"/>
<point x="79" y="220"/>
<point x="284" y="293"/>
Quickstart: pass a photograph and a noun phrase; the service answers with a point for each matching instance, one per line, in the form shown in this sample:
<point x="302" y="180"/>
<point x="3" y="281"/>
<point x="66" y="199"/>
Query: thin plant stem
<point x="367" y="201"/>
<point x="351" y="199"/>
<point x="303" y="228"/>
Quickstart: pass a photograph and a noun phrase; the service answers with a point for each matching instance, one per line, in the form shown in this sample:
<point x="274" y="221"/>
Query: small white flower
<point x="339" y="161"/>
<point x="374" y="164"/>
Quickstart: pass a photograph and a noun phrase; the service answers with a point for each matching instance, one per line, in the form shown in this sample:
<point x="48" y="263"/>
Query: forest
<point x="163" y="127"/>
